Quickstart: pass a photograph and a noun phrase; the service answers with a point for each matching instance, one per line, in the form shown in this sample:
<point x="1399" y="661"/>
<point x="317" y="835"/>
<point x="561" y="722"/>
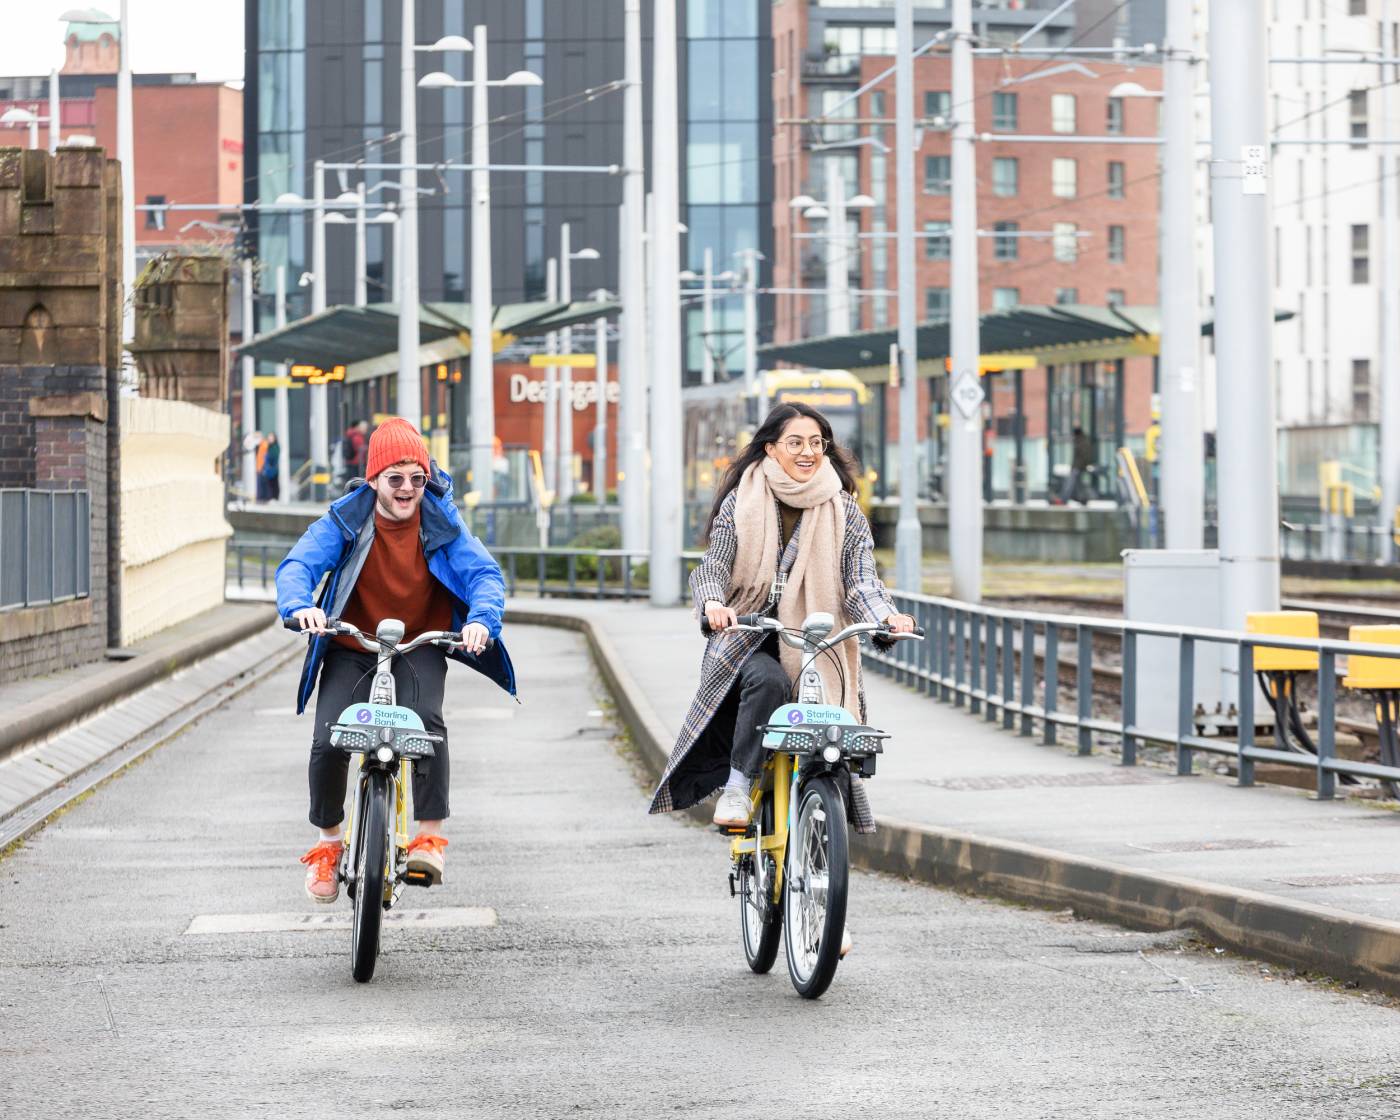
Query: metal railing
<point x="570" y="573"/>
<point x="984" y="658"/>
<point x="1349" y="542"/>
<point x="45" y="542"/>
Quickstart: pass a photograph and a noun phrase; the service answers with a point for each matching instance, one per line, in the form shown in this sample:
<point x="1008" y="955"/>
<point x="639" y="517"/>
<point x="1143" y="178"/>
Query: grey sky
<point x="205" y="36"/>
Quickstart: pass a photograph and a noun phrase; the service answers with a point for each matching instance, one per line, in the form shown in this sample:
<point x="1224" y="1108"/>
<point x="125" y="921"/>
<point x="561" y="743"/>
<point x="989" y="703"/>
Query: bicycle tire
<point x="371" y="860"/>
<point x="814" y="906"/>
<point x="760" y="928"/>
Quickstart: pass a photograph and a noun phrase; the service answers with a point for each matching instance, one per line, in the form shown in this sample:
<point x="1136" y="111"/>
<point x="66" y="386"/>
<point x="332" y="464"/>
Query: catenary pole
<point x="551" y="404"/>
<point x="1246" y="448"/>
<point x="126" y="149"/>
<point x="965" y="431"/>
<point x="750" y="257"/>
<point x="667" y="499"/>
<point x="600" y="437"/>
<point x="249" y="409"/>
<point x="282" y="416"/>
<point x="633" y="370"/>
<point x="55" y="112"/>
<point x="566" y="373"/>
<point x="361" y="249"/>
<point x="1183" y="465"/>
<point x="409" y="390"/>
<point x="482" y="369"/>
<point x="838" y="279"/>
<point x="707" y="320"/>
<point x="908" y="535"/>
<point x="319" y="425"/>
<point x="1388" y="376"/>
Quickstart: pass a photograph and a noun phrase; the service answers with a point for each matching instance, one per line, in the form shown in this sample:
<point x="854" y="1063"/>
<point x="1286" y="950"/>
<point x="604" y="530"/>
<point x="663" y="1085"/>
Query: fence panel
<point x="45" y="542"/>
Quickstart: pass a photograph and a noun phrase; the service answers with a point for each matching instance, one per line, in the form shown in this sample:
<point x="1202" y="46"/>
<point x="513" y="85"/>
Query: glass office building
<point x="322" y="82"/>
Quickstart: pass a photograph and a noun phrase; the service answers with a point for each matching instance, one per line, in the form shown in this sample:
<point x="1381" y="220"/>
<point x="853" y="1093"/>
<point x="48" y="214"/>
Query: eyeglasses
<point x="396" y="481"/>
<point x="795" y="444"/>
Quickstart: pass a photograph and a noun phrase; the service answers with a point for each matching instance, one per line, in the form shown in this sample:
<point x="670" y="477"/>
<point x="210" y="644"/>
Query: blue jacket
<point x="338" y="542"/>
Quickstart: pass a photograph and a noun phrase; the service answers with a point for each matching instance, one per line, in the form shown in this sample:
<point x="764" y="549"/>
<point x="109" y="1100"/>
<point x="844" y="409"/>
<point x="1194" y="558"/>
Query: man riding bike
<point x="394" y="547"/>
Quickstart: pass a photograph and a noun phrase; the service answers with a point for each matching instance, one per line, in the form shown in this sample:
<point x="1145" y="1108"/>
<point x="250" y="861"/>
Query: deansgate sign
<point x="532" y="390"/>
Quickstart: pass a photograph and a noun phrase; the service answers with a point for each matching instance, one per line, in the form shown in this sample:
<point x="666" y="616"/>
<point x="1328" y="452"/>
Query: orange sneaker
<point x="322" y="867"/>
<point x="425" y="857"/>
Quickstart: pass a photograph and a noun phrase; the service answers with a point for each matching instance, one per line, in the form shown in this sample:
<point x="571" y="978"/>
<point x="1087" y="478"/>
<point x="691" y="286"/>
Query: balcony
<point x="831" y="66"/>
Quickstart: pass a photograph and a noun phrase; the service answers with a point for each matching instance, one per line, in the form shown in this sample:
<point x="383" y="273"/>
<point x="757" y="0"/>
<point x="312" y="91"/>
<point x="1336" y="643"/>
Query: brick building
<point x="60" y="315"/>
<point x="188" y="139"/>
<point x="1067" y="221"/>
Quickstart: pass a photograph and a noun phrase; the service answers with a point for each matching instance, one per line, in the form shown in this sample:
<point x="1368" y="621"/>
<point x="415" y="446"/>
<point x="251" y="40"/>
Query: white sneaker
<point x="733" y="810"/>
<point x="845" y="941"/>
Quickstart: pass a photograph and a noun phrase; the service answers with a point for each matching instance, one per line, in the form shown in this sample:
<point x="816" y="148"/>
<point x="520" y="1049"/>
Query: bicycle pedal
<point x="418" y="878"/>
<point x="730" y="830"/>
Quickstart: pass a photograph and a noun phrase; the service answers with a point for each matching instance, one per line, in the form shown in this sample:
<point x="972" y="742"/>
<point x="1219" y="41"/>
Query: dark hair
<point x="769" y="432"/>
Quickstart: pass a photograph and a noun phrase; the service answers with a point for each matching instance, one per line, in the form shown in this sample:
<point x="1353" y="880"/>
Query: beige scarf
<point x="814" y="582"/>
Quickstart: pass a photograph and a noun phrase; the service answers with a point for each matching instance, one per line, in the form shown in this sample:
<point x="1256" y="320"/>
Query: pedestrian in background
<point x="352" y="449"/>
<point x="269" y="480"/>
<point x="1078" y="487"/>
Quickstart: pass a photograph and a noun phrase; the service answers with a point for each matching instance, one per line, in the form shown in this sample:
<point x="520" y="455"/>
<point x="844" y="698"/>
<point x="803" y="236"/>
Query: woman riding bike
<point x="785" y="537"/>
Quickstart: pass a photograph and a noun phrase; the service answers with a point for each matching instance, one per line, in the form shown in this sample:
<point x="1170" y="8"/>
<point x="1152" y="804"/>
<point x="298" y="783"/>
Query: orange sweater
<point x="395" y="583"/>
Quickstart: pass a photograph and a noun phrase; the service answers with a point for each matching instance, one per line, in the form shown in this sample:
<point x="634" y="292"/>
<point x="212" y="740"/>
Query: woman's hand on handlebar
<point x="475" y="637"/>
<point x="719" y="616"/>
<point x="312" y="619"/>
<point x="900" y="623"/>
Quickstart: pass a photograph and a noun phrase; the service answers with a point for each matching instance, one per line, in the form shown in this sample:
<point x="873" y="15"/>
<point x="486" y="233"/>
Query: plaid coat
<point x="699" y="762"/>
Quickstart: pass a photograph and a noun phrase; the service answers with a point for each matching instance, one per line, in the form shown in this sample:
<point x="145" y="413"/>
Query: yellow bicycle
<point x="791" y="866"/>
<point x="388" y="740"/>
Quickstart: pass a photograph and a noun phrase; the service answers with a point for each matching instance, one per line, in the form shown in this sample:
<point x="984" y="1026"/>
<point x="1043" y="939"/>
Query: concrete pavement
<point x="611" y="982"/>
<point x="1267" y="871"/>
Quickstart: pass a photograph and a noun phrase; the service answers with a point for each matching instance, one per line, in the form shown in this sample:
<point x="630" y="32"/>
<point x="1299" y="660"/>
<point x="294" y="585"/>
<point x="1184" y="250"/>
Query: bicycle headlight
<point x="832" y="754"/>
<point x="385" y="754"/>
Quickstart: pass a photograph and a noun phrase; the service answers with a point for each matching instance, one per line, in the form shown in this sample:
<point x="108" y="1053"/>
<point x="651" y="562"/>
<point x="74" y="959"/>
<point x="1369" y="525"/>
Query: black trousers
<point x="761" y="687"/>
<point x="346" y="678"/>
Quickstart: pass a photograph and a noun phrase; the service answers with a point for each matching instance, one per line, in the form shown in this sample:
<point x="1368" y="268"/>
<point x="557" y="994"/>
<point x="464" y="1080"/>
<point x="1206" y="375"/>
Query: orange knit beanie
<point x="395" y="441"/>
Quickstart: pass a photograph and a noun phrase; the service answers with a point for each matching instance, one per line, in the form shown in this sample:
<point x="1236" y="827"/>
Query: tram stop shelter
<point x="1045" y="370"/>
<point x="354" y="352"/>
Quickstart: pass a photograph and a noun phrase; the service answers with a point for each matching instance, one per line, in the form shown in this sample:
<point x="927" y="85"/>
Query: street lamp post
<point x="31" y="120"/>
<point x="567" y="255"/>
<point x="750" y="257"/>
<point x="126" y="148"/>
<point x="600" y="427"/>
<point x="833" y="213"/>
<point x="282" y="417"/>
<point x="482" y="369"/>
<point x="667" y="500"/>
<point x="551" y="404"/>
<point x="631" y="273"/>
<point x="249" y="410"/>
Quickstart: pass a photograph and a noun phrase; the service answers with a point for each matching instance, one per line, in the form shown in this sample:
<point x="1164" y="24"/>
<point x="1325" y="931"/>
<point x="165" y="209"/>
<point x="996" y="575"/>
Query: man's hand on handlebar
<point x="719" y="616"/>
<point x="475" y="637"/>
<point x="312" y="619"/>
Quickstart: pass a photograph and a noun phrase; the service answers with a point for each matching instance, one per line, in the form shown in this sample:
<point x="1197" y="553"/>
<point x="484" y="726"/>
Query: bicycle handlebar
<point x="447" y="639"/>
<point x="760" y="623"/>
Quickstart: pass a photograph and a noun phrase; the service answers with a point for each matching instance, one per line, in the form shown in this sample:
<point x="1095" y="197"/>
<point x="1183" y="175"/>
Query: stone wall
<point x="172" y="514"/>
<point x="60" y="298"/>
<point x="181" y="344"/>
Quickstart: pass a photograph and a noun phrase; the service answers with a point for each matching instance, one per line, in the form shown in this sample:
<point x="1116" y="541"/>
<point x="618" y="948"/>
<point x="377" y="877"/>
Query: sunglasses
<point x="396" y="480"/>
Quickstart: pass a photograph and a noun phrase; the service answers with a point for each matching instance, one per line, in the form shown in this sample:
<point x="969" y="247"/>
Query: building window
<point x="1066" y="242"/>
<point x="1064" y="178"/>
<point x="1116" y="180"/>
<point x="1004" y="112"/>
<point x="1005" y="176"/>
<point x="155" y="219"/>
<point x="936" y="303"/>
<point x="938" y="103"/>
<point x="1360" y="254"/>
<point x="1066" y="295"/>
<point x="938" y="174"/>
<point x="1114" y="123"/>
<point x="1356" y="106"/>
<point x="936" y="243"/>
<point x="1005" y="298"/>
<point x="1116" y="297"/>
<point x="1005" y="245"/>
<point x="1116" y="248"/>
<point x="1356" y="7"/>
<point x="1361" y="389"/>
<point x="1062" y="114"/>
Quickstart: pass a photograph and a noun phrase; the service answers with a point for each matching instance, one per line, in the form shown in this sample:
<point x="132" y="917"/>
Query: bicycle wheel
<point x="818" y="874"/>
<point x="371" y="859"/>
<point x="760" y="918"/>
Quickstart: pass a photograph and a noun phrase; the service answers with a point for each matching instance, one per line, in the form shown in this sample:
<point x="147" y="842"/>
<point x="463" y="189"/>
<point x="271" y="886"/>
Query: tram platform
<point x="1269" y="872"/>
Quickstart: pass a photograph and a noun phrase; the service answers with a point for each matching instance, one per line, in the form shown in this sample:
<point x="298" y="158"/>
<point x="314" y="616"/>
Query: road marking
<point x="448" y="917"/>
